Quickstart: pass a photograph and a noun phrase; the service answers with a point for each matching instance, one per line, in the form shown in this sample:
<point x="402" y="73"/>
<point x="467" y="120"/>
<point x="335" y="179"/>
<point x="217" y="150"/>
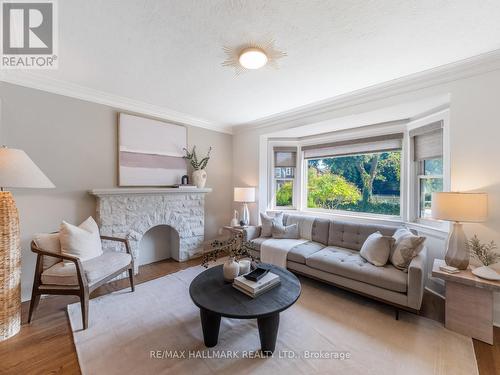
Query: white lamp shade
<point x="244" y="194"/>
<point x="17" y="170"/>
<point x="464" y="207"/>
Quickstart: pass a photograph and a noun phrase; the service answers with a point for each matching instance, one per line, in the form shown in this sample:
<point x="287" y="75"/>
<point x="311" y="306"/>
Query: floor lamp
<point x="17" y="170"/>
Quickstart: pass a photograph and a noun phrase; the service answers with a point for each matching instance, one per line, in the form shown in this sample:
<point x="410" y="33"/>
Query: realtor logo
<point x="29" y="34"/>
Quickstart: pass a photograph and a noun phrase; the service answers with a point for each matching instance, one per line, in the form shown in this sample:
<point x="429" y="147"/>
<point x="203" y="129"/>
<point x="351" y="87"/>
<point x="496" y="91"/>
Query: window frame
<point x="347" y="213"/>
<point x="419" y="178"/>
<point x="416" y="171"/>
<point x="272" y="180"/>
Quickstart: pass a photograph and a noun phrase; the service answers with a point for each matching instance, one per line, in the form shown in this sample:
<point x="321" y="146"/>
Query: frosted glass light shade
<point x="253" y="58"/>
<point x="17" y="170"/>
<point x="245" y="195"/>
<point x="460" y="207"/>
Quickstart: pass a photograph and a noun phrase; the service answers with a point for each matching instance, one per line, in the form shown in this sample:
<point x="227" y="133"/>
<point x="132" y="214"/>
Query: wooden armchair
<point x="81" y="280"/>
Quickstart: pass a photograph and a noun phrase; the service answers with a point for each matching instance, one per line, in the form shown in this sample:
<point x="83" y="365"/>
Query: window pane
<point x="433" y="166"/>
<point x="284" y="172"/>
<point x="362" y="183"/>
<point x="427" y="187"/>
<point x="284" y="193"/>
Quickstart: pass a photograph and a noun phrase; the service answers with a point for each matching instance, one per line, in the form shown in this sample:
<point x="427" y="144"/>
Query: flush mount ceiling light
<point x="252" y="56"/>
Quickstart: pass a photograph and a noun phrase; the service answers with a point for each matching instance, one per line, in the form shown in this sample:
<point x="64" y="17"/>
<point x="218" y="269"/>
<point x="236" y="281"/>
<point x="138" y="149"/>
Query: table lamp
<point x="459" y="207"/>
<point x="17" y="170"/>
<point x="244" y="195"/>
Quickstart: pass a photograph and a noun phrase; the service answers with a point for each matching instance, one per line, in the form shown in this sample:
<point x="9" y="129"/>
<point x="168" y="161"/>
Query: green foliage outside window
<point x="363" y="183"/>
<point x="284" y="194"/>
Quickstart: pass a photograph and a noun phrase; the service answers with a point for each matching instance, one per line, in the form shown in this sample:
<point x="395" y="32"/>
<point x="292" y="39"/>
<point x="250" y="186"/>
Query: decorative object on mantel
<point x="199" y="173"/>
<point x="252" y="56"/>
<point x="459" y="207"/>
<point x="487" y="256"/>
<point x="234" y="220"/>
<point x="17" y="170"/>
<point x="150" y="152"/>
<point x="235" y="247"/>
<point x="244" y="195"/>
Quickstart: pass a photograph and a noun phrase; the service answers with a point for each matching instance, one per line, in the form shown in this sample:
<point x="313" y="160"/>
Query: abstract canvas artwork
<point x="150" y="152"/>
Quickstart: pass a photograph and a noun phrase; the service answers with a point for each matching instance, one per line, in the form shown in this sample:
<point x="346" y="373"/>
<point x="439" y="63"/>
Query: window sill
<point x="383" y="219"/>
<point x="440" y="229"/>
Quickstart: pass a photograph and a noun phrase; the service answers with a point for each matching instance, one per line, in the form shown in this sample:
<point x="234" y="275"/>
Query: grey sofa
<point x="332" y="255"/>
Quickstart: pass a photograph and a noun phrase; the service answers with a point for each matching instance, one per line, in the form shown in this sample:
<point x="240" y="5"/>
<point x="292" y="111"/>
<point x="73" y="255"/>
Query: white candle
<point x="244" y="266"/>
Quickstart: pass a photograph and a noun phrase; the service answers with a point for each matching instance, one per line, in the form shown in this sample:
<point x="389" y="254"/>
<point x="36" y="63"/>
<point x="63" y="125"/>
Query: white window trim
<point x="414" y="188"/>
<point x="271" y="188"/>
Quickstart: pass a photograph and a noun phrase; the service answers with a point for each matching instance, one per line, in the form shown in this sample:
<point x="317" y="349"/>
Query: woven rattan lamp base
<point x="10" y="268"/>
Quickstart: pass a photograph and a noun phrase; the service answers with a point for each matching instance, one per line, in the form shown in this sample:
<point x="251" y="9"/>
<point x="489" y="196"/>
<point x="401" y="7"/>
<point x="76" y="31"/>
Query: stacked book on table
<point x="256" y="288"/>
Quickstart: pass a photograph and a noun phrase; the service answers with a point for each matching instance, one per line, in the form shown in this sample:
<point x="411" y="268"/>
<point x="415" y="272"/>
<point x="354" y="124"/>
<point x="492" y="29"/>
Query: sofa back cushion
<point x="304" y="224"/>
<point x="353" y="235"/>
<point x="310" y="228"/>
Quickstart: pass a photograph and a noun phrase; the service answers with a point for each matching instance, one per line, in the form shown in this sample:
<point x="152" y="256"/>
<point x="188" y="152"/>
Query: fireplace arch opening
<point x="158" y="243"/>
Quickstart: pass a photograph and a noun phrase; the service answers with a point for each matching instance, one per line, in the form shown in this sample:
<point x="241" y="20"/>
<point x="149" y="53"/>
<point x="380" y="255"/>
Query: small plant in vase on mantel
<point x="199" y="173"/>
<point x="486" y="255"/>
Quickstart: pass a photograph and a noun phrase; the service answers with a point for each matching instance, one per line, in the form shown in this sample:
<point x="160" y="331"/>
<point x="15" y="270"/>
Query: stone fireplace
<point x="131" y="212"/>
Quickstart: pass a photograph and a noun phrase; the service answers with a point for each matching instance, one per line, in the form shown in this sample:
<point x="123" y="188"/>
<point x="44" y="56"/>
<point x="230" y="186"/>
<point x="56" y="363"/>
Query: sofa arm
<point x="416" y="280"/>
<point x="251" y="232"/>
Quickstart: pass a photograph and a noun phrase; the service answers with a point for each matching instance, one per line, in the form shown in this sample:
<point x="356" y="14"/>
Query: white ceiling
<point x="169" y="53"/>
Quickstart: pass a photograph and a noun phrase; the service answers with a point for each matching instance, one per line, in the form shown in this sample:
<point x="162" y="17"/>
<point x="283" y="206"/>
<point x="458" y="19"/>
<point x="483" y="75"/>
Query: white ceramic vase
<point x="200" y="178"/>
<point x="230" y="269"/>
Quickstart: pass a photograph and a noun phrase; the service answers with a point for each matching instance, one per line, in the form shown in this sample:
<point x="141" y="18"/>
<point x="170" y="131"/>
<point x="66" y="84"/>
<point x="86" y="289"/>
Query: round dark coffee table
<point x="216" y="298"/>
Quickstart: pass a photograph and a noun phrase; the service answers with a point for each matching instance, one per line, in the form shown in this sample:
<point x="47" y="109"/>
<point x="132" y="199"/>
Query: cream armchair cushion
<point x="49" y="242"/>
<point x="95" y="269"/>
<point x="82" y="241"/>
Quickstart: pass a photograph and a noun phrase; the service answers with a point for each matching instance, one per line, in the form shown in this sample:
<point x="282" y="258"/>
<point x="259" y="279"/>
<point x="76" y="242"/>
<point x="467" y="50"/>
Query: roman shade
<point x="389" y="142"/>
<point x="285" y="156"/>
<point x="427" y="141"/>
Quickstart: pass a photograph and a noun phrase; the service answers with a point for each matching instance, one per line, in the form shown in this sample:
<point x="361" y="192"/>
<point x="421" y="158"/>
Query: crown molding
<point x="39" y="82"/>
<point x="476" y="65"/>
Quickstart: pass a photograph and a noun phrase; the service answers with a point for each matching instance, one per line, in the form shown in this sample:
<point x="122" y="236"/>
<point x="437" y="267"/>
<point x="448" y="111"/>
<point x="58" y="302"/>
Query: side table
<point x="469" y="302"/>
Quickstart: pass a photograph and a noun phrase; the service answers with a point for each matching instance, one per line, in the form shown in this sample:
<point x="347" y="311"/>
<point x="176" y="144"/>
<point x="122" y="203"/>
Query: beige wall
<point x="474" y="144"/>
<point x="75" y="144"/>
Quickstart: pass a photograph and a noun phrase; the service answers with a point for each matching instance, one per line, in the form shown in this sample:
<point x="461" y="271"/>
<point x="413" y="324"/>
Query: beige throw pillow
<point x="267" y="223"/>
<point x="377" y="249"/>
<point x="406" y="247"/>
<point x="48" y="242"/>
<point x="285" y="232"/>
<point x="82" y="241"/>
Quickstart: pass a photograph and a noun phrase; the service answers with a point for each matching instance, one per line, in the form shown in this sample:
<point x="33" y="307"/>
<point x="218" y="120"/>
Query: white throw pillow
<point x="48" y="242"/>
<point x="286" y="232"/>
<point x="377" y="249"/>
<point x="268" y="221"/>
<point x="82" y="241"/>
<point x="406" y="247"/>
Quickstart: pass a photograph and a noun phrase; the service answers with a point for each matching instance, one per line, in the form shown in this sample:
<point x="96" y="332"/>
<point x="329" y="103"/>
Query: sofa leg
<point x="396" y="313"/>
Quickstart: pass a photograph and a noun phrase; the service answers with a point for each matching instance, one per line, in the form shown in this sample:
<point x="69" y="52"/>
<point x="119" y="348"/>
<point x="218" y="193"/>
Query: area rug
<point x="157" y="330"/>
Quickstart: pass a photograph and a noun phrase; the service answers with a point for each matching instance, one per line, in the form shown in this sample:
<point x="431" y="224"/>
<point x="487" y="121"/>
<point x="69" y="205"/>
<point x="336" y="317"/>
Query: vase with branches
<point x="483" y="252"/>
<point x="236" y="247"/>
<point x="199" y="174"/>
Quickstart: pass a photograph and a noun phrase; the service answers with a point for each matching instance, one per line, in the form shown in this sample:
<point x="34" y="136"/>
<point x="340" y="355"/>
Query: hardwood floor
<point x="46" y="345"/>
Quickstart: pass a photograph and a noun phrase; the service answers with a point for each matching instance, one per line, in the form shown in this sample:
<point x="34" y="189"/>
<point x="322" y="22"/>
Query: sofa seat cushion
<point x="348" y="263"/>
<point x="301" y="252"/>
<point x="95" y="269"/>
